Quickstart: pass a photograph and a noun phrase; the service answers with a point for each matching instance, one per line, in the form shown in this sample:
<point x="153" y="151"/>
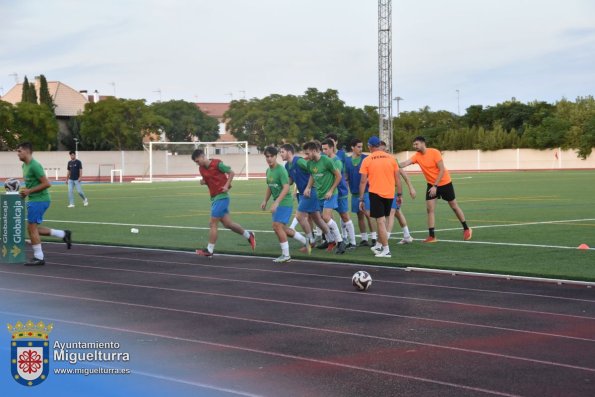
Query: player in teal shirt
<point x="38" y="201"/>
<point x="278" y="187"/>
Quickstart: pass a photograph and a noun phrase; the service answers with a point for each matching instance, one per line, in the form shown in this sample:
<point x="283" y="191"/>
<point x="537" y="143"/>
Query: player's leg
<point x="380" y="210"/>
<point x="70" y="193"/>
<point x="343" y="210"/>
<point x="327" y="216"/>
<point x="447" y="193"/>
<point x="79" y="189"/>
<point x="431" y="210"/>
<point x="407" y="239"/>
<point x="220" y="209"/>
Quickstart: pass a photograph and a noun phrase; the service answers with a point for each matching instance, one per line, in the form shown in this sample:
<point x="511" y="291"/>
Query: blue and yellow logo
<point x="29" y="348"/>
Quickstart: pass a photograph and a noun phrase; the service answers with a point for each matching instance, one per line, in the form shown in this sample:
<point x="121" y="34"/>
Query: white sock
<point x="343" y="229"/>
<point x="57" y="233"/>
<point x="329" y="237"/>
<point x="334" y="229"/>
<point x="317" y="231"/>
<point x="374" y="236"/>
<point x="300" y="237"/>
<point x="293" y="223"/>
<point x="364" y="236"/>
<point x="377" y="245"/>
<point x="350" y="231"/>
<point x="211" y="247"/>
<point x="37" y="252"/>
<point x="385" y="249"/>
<point x="246" y="234"/>
<point x="285" y="248"/>
<point x="310" y="237"/>
<point x="406" y="233"/>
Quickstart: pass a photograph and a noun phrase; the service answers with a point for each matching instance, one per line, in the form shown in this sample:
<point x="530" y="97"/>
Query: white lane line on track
<point x="315" y="306"/>
<point x="316" y="329"/>
<point x="252" y="269"/>
<point x="289" y="356"/>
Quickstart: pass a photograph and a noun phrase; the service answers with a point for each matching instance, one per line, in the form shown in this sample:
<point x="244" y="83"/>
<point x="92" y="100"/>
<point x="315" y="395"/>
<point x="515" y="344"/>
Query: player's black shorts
<point x="380" y="206"/>
<point x="445" y="192"/>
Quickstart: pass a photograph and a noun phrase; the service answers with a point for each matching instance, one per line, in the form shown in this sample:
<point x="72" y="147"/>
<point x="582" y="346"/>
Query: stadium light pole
<point x="113" y="84"/>
<point x="76" y="146"/>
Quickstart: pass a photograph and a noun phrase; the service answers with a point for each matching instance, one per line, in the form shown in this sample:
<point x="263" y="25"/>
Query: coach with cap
<point x="381" y="172"/>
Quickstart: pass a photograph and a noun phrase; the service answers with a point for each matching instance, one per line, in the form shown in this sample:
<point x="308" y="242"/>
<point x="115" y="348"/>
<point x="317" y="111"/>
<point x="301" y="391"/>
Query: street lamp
<point x="398" y="99"/>
<point x="76" y="146"/>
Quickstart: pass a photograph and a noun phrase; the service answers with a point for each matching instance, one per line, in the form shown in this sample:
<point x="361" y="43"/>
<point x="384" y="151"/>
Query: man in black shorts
<point x="381" y="172"/>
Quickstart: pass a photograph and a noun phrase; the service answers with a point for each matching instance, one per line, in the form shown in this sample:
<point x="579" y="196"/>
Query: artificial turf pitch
<point x="524" y="223"/>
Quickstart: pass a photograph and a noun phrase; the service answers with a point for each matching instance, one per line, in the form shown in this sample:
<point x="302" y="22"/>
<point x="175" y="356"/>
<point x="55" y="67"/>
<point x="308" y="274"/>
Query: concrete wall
<point x="136" y="163"/>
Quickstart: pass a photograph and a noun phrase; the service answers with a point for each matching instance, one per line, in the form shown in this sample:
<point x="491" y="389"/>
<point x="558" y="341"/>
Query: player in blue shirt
<point x="328" y="147"/>
<point x="352" y="167"/>
<point x="308" y="207"/>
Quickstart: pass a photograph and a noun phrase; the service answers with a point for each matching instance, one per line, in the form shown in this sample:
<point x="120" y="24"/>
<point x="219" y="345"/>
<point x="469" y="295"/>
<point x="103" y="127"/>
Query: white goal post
<point x="171" y="161"/>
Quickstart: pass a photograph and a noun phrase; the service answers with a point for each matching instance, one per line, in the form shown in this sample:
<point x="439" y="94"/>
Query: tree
<point x="25" y="95"/>
<point x="117" y="124"/>
<point x="7" y="137"/>
<point x="35" y="124"/>
<point x="44" y="94"/>
<point x="184" y="120"/>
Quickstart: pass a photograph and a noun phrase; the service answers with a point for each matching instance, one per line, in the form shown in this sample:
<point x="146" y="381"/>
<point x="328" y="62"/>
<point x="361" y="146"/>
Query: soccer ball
<point x="12" y="185"/>
<point x="361" y="280"/>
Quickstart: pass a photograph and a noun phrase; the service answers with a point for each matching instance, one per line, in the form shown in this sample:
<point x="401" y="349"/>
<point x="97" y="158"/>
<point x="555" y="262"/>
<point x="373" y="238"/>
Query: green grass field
<point x="525" y="223"/>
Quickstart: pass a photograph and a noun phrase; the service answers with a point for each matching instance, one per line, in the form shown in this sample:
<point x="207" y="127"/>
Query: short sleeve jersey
<point x="276" y="178"/>
<point x="381" y="168"/>
<point x="32" y="174"/>
<point x="323" y="173"/>
<point x="428" y="162"/>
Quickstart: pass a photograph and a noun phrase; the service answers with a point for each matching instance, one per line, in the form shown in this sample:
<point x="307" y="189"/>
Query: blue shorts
<point x="282" y="214"/>
<point x="220" y="208"/>
<point x="35" y="211"/>
<point x="355" y="202"/>
<point x="331" y="203"/>
<point x="309" y="204"/>
<point x="343" y="204"/>
<point x="395" y="206"/>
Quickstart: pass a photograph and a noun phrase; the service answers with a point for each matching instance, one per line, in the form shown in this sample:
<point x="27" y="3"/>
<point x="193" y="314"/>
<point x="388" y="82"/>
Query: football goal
<point x="171" y="161"/>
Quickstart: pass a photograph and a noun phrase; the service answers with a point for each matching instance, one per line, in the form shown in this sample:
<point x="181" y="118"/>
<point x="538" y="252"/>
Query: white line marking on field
<point x="513" y="244"/>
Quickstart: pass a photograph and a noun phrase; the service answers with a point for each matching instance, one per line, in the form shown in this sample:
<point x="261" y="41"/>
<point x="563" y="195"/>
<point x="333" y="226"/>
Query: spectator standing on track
<point x="218" y="176"/>
<point x="381" y="172"/>
<point x="277" y="180"/>
<point x="73" y="176"/>
<point x="439" y="185"/>
<point x="38" y="201"/>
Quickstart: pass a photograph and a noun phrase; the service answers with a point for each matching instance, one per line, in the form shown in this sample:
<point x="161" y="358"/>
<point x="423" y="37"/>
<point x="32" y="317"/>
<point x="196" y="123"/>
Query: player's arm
<point x="434" y="189"/>
<point x="44" y="183"/>
<point x="362" y="190"/>
<point x="399" y="186"/>
<point x="407" y="180"/>
<point x="308" y="188"/>
<point x="405" y="163"/>
<point x="267" y="196"/>
<point x="282" y="195"/>
<point x="68" y="172"/>
<point x="80" y="171"/>
<point x="338" y="177"/>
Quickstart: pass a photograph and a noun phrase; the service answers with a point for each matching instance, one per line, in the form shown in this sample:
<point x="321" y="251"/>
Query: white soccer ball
<point x="12" y="185"/>
<point x="361" y="280"/>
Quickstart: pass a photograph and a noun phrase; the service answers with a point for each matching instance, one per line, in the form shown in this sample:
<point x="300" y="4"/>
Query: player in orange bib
<point x="439" y="185"/>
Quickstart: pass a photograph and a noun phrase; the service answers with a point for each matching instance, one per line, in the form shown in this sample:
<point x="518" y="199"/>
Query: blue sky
<point x="198" y="50"/>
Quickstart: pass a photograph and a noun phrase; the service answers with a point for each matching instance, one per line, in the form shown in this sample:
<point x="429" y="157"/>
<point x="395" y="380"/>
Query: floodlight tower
<point x="385" y="74"/>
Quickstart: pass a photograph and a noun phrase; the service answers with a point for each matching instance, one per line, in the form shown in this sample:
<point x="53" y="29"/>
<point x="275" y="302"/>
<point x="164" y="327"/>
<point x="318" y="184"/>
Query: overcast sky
<point x="208" y="51"/>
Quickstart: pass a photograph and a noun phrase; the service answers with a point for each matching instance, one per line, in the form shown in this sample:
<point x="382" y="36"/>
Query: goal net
<point x="171" y="161"/>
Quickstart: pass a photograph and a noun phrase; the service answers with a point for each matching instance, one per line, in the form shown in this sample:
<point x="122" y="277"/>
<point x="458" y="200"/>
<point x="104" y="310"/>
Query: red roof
<point x="213" y="109"/>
